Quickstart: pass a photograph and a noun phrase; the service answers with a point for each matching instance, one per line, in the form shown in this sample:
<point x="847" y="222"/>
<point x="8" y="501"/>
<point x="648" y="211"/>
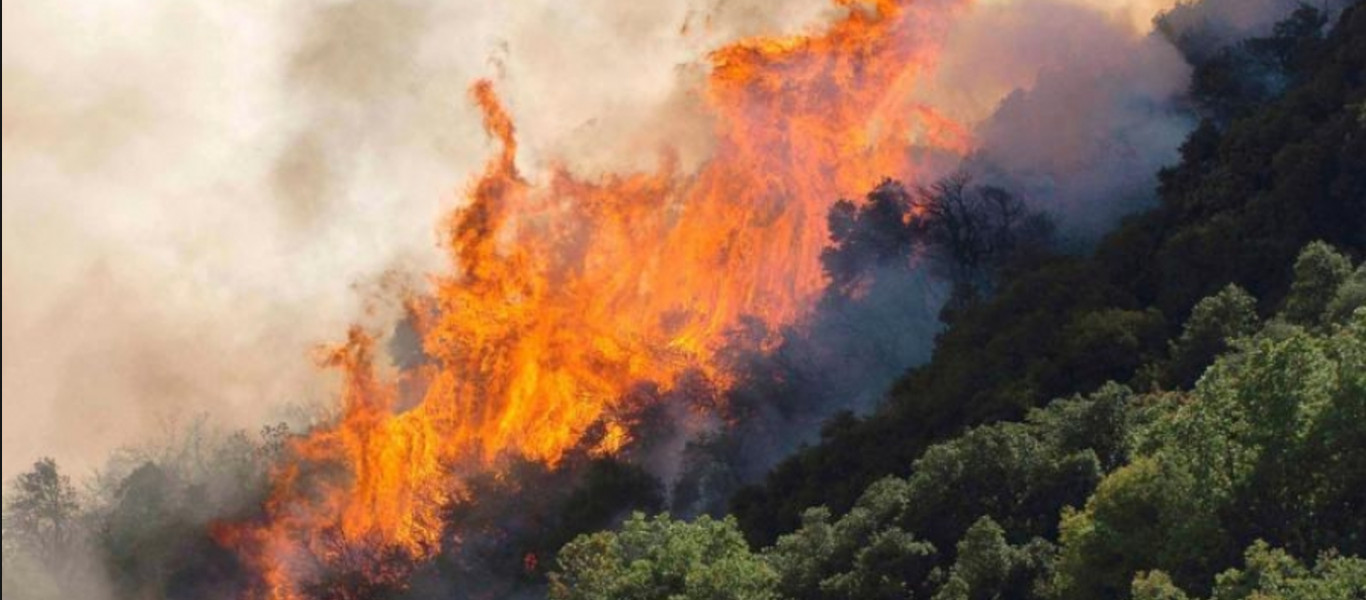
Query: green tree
<point x="663" y="559"/>
<point x="1319" y="272"/>
<point x="1146" y="515"/>
<point x="989" y="568"/>
<point x="1156" y="585"/>
<point x="1271" y="573"/>
<point x="1214" y="323"/>
<point x="1350" y="296"/>
<point x="863" y="554"/>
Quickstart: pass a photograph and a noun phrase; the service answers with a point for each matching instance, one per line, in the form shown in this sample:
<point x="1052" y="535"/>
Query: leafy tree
<point x="996" y="482"/>
<point x="1268" y="446"/>
<point x="1319" y="272"/>
<point x="41" y="513"/>
<point x="1156" y="585"/>
<point x="43" y="535"/>
<point x="1248" y="195"/>
<point x="1272" y="573"/>
<point x="144" y="531"/>
<point x="989" y="568"/>
<point x="1351" y="295"/>
<point x="663" y="559"/>
<point x="863" y="554"/>
<point x="967" y="232"/>
<point x="1146" y="515"/>
<point x="1231" y="81"/>
<point x="868" y="235"/>
<point x="1214" y="323"/>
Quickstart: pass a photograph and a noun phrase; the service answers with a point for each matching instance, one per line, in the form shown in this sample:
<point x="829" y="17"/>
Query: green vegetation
<point x="663" y="558"/>
<point x="1179" y="414"/>
<point x="1159" y="494"/>
<point x="1238" y="208"/>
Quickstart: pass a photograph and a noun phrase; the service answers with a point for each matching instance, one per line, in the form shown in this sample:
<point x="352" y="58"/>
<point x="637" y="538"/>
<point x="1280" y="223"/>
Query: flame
<point x="564" y="293"/>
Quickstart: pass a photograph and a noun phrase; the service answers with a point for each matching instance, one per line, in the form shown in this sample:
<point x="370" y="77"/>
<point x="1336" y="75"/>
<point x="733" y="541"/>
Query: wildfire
<point x="565" y="293"/>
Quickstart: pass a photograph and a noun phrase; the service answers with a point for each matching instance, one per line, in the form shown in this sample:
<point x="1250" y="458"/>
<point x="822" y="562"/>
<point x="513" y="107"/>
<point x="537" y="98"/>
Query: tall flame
<point x="565" y="293"/>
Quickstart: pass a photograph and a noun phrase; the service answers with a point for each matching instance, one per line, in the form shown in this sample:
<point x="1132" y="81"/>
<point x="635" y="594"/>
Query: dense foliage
<point x="1246" y="197"/>
<point x="1111" y="494"/>
<point x="1178" y="412"/>
<point x="1229" y="461"/>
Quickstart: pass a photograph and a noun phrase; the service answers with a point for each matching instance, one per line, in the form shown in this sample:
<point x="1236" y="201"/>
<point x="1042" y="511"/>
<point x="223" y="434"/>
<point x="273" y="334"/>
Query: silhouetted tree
<point x="41" y="513"/>
<point x="965" y="233"/>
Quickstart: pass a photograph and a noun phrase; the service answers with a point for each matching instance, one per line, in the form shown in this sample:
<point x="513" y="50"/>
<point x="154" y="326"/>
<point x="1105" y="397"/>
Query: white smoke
<point x="193" y="190"/>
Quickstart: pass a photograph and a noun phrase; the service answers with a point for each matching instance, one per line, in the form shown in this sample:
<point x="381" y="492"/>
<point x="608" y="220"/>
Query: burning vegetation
<point x="566" y="295"/>
<point x="657" y="341"/>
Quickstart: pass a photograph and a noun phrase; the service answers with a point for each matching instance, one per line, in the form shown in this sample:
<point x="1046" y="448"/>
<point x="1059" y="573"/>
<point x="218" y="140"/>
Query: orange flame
<point x="567" y="293"/>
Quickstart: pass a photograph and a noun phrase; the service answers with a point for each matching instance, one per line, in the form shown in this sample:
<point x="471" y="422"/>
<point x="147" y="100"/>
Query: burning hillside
<point x="779" y="277"/>
<point x="564" y="293"/>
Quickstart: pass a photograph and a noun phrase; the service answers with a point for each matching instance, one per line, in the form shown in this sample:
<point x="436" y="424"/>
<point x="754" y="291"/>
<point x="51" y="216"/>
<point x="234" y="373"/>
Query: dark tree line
<point x="963" y="233"/>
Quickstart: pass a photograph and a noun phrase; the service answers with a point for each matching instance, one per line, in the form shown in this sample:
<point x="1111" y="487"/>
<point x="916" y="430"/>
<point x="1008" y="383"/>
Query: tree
<point x="663" y="559"/>
<point x="970" y="232"/>
<point x="866" y="236"/>
<point x="1350" y="296"/>
<point x="1319" y="272"/>
<point x="863" y="554"/>
<point x="1214" y="323"/>
<point x="989" y="568"/>
<point x="42" y="536"/>
<point x="1156" y="585"/>
<point x="966" y="233"/>
<point x="1272" y="573"/>
<point x="41" y="513"/>
<point x="1146" y="515"/>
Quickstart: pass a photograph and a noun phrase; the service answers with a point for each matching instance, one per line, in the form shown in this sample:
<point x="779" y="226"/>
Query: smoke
<point x="1092" y="102"/>
<point x="194" y="191"/>
<point x="1201" y="28"/>
<point x="197" y="193"/>
<point x="1075" y="106"/>
<point x="1085" y="106"/>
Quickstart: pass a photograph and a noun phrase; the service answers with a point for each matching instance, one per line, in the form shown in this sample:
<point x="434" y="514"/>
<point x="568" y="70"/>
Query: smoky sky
<point x="196" y="193"/>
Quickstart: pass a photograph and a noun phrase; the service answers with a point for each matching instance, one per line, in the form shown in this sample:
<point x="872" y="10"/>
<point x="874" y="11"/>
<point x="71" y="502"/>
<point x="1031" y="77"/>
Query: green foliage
<point x="1145" y="515"/>
<point x="1272" y="574"/>
<point x="1349" y="297"/>
<point x="989" y="568"/>
<point x="968" y="496"/>
<point x="1156" y="585"/>
<point x="663" y="559"/>
<point x="1214" y="323"/>
<point x="863" y="554"/>
<point x="1270" y="445"/>
<point x="1248" y="195"/>
<point x="1319" y="272"/>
